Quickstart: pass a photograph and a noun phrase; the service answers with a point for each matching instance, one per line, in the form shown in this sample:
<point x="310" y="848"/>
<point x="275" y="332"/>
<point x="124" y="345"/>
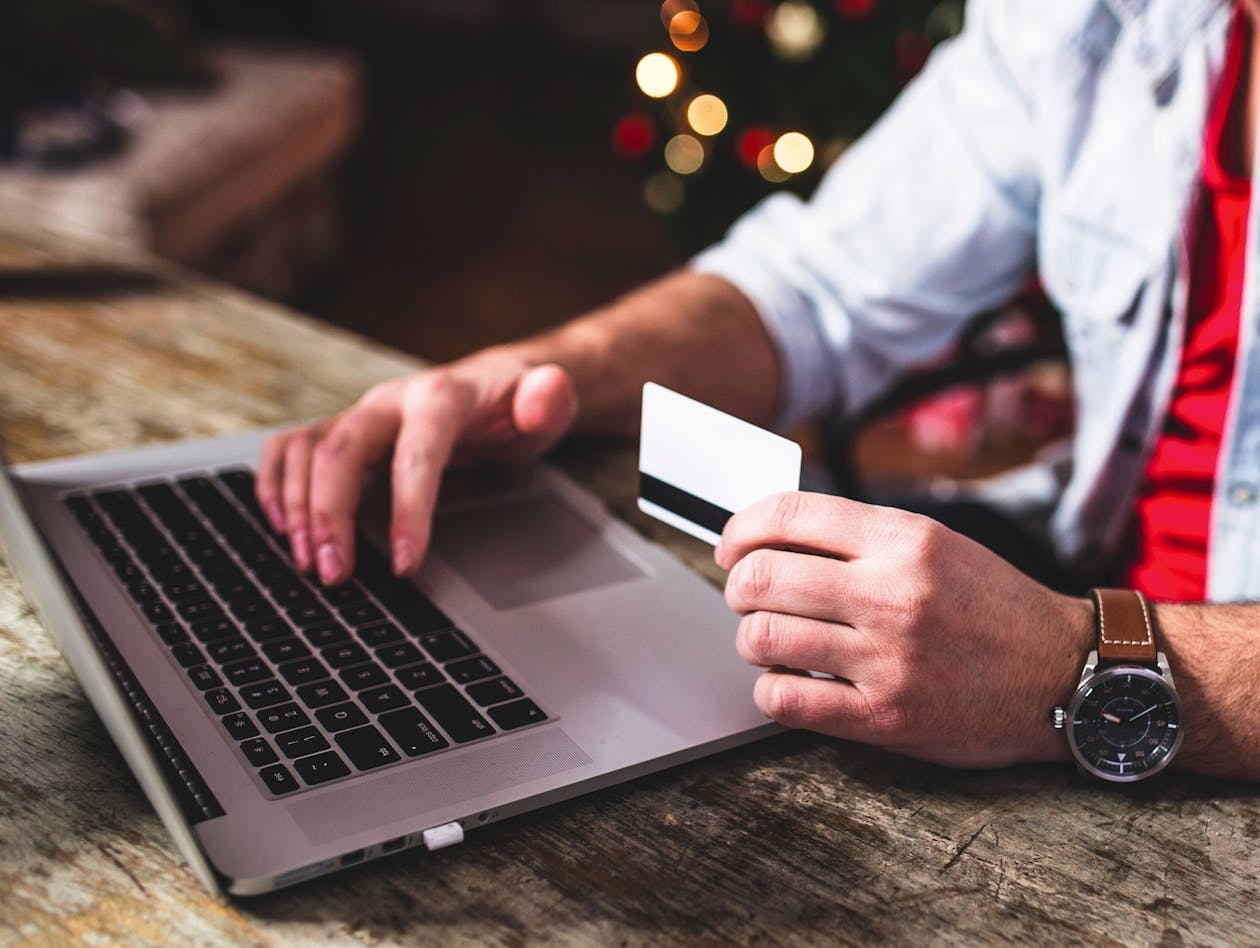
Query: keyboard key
<point x="173" y="572"/>
<point x="283" y="717"/>
<point x="401" y="653"/>
<point x="258" y="752"/>
<point x="325" y="634"/>
<point x="364" y="676"/>
<point x="321" y="767"/>
<point x="222" y="701"/>
<point x="180" y="590"/>
<point x="269" y="627"/>
<point x="493" y="691"/>
<point x="230" y="583"/>
<point x="516" y="714"/>
<point x="361" y="613"/>
<point x="208" y="630"/>
<point x="172" y="633"/>
<point x="303" y="671"/>
<point x="286" y="650"/>
<point x="240" y="726"/>
<point x="249" y="609"/>
<point x="279" y="780"/>
<point x="453" y="713"/>
<point x="247" y="672"/>
<point x="199" y="610"/>
<point x="366" y="747"/>
<point x="204" y="677"/>
<point x="141" y="592"/>
<point x="301" y="742"/>
<point x="308" y="614"/>
<point x="128" y="571"/>
<point x="419" y="676"/>
<point x="321" y="694"/>
<point x="339" y="717"/>
<point x="413" y="732"/>
<point x="265" y="694"/>
<point x="472" y="669"/>
<point x="231" y="650"/>
<point x="157" y="611"/>
<point x="382" y="634"/>
<point x="345" y="593"/>
<point x="347" y="653"/>
<point x="292" y="592"/>
<point x="448" y="645"/>
<point x="387" y="698"/>
<point x="187" y="655"/>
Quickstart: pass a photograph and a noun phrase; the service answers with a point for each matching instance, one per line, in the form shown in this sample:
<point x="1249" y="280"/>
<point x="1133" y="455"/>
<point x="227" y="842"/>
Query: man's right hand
<point x="310" y="478"/>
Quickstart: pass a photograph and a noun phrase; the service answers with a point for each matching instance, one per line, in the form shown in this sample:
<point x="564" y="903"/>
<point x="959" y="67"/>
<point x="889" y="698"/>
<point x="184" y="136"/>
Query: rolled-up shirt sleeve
<point x="929" y="219"/>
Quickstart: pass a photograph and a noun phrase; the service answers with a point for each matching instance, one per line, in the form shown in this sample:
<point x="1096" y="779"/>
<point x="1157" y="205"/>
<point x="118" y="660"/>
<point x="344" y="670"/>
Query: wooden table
<point x="795" y="839"/>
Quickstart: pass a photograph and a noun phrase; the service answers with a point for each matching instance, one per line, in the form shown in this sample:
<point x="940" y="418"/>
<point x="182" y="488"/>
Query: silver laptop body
<point x="627" y="658"/>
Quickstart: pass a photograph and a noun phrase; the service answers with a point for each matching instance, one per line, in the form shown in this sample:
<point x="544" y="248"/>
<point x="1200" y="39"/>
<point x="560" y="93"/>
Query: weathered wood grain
<point x="798" y="839"/>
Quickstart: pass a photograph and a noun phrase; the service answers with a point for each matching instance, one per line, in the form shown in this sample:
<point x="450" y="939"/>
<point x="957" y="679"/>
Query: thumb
<point x="545" y="403"/>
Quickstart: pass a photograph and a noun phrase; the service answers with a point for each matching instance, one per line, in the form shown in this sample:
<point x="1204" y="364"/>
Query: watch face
<point x="1125" y="723"/>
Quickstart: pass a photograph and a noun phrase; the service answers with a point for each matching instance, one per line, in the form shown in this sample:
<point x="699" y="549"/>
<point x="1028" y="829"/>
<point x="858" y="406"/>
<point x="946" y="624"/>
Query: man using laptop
<point x="1105" y="147"/>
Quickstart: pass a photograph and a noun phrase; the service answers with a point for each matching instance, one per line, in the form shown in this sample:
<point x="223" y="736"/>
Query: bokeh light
<point x="671" y="9"/>
<point x="793" y="152"/>
<point x="752" y="143"/>
<point x="633" y="135"/>
<point x="795" y="29"/>
<point x="663" y="192"/>
<point x="707" y="114"/>
<point x="684" y="154"/>
<point x="657" y="75"/>
<point x="769" y="168"/>
<point x="688" y="31"/>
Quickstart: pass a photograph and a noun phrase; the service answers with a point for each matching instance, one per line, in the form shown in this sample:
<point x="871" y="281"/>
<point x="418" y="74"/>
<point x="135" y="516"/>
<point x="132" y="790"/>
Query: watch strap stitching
<point x="1102" y="623"/>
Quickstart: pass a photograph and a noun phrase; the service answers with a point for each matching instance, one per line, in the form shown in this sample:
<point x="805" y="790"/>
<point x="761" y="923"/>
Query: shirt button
<point x="1241" y="495"/>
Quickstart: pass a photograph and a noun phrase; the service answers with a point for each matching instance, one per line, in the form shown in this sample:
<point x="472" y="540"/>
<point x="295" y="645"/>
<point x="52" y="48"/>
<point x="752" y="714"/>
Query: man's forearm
<point x="1214" y="655"/>
<point x="693" y="332"/>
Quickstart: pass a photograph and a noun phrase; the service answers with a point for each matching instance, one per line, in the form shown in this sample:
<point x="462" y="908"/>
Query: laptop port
<point x="349" y="859"/>
<point x="393" y="845"/>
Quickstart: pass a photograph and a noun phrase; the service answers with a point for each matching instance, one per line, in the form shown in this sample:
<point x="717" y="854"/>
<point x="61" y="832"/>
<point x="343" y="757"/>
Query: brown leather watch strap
<point x="1125" y="630"/>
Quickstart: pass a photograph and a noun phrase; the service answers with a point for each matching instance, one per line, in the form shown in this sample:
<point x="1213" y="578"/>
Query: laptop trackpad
<point x="520" y="551"/>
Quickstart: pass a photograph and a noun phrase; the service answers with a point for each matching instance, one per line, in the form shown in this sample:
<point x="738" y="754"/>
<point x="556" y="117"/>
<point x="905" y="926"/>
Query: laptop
<point x="283" y="730"/>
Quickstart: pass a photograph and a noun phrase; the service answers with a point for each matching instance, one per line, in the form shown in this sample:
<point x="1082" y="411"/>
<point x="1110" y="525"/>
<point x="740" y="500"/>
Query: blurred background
<point x="446" y="174"/>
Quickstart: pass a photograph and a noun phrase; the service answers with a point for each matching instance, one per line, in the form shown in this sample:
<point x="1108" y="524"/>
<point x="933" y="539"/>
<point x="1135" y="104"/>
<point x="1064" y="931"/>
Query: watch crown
<point x="1058" y="718"/>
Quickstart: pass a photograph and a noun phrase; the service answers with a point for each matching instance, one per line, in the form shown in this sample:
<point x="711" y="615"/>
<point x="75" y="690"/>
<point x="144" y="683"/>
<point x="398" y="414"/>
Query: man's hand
<point x="486" y="408"/>
<point x="940" y="649"/>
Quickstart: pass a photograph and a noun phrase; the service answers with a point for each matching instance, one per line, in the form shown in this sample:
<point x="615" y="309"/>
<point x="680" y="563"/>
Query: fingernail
<point x="330" y="564"/>
<point x="301" y="544"/>
<point x="276" y="513"/>
<point x="403" y="556"/>
<point x="717" y="552"/>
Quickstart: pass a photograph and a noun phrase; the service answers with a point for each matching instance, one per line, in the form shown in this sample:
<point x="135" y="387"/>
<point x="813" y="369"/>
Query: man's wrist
<point x="1073" y="629"/>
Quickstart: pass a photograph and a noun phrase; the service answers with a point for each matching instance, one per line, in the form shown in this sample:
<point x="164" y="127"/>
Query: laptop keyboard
<point x="312" y="683"/>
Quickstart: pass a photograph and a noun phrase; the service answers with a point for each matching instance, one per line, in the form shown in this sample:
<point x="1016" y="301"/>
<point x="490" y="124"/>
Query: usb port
<point x="349" y="859"/>
<point x="393" y="845"/>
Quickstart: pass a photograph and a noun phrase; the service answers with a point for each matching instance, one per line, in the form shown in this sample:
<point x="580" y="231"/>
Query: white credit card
<point x="698" y="465"/>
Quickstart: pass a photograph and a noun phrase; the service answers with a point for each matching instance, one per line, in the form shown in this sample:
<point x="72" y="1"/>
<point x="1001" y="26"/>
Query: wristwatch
<point x="1124" y="721"/>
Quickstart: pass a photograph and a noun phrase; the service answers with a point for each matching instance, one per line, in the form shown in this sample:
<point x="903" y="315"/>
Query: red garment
<point x="1174" y="508"/>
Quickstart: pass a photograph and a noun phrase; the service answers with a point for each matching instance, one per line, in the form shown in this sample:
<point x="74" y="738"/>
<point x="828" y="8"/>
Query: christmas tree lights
<point x="745" y="96"/>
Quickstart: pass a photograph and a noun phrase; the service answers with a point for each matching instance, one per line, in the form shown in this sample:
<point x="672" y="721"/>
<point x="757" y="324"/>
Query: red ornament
<point x="855" y="9"/>
<point x="751" y="144"/>
<point x="633" y="135"/>
<point x="750" y="14"/>
<point x="910" y="53"/>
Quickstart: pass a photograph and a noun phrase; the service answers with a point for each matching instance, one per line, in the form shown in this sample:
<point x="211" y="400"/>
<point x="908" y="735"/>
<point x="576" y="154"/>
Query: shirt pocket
<point x="1092" y="274"/>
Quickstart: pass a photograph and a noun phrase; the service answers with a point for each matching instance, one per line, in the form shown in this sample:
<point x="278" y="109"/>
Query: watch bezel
<point x="1090" y="681"/>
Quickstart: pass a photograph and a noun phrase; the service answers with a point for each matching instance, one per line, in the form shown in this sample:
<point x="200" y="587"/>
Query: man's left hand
<point x="939" y="648"/>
